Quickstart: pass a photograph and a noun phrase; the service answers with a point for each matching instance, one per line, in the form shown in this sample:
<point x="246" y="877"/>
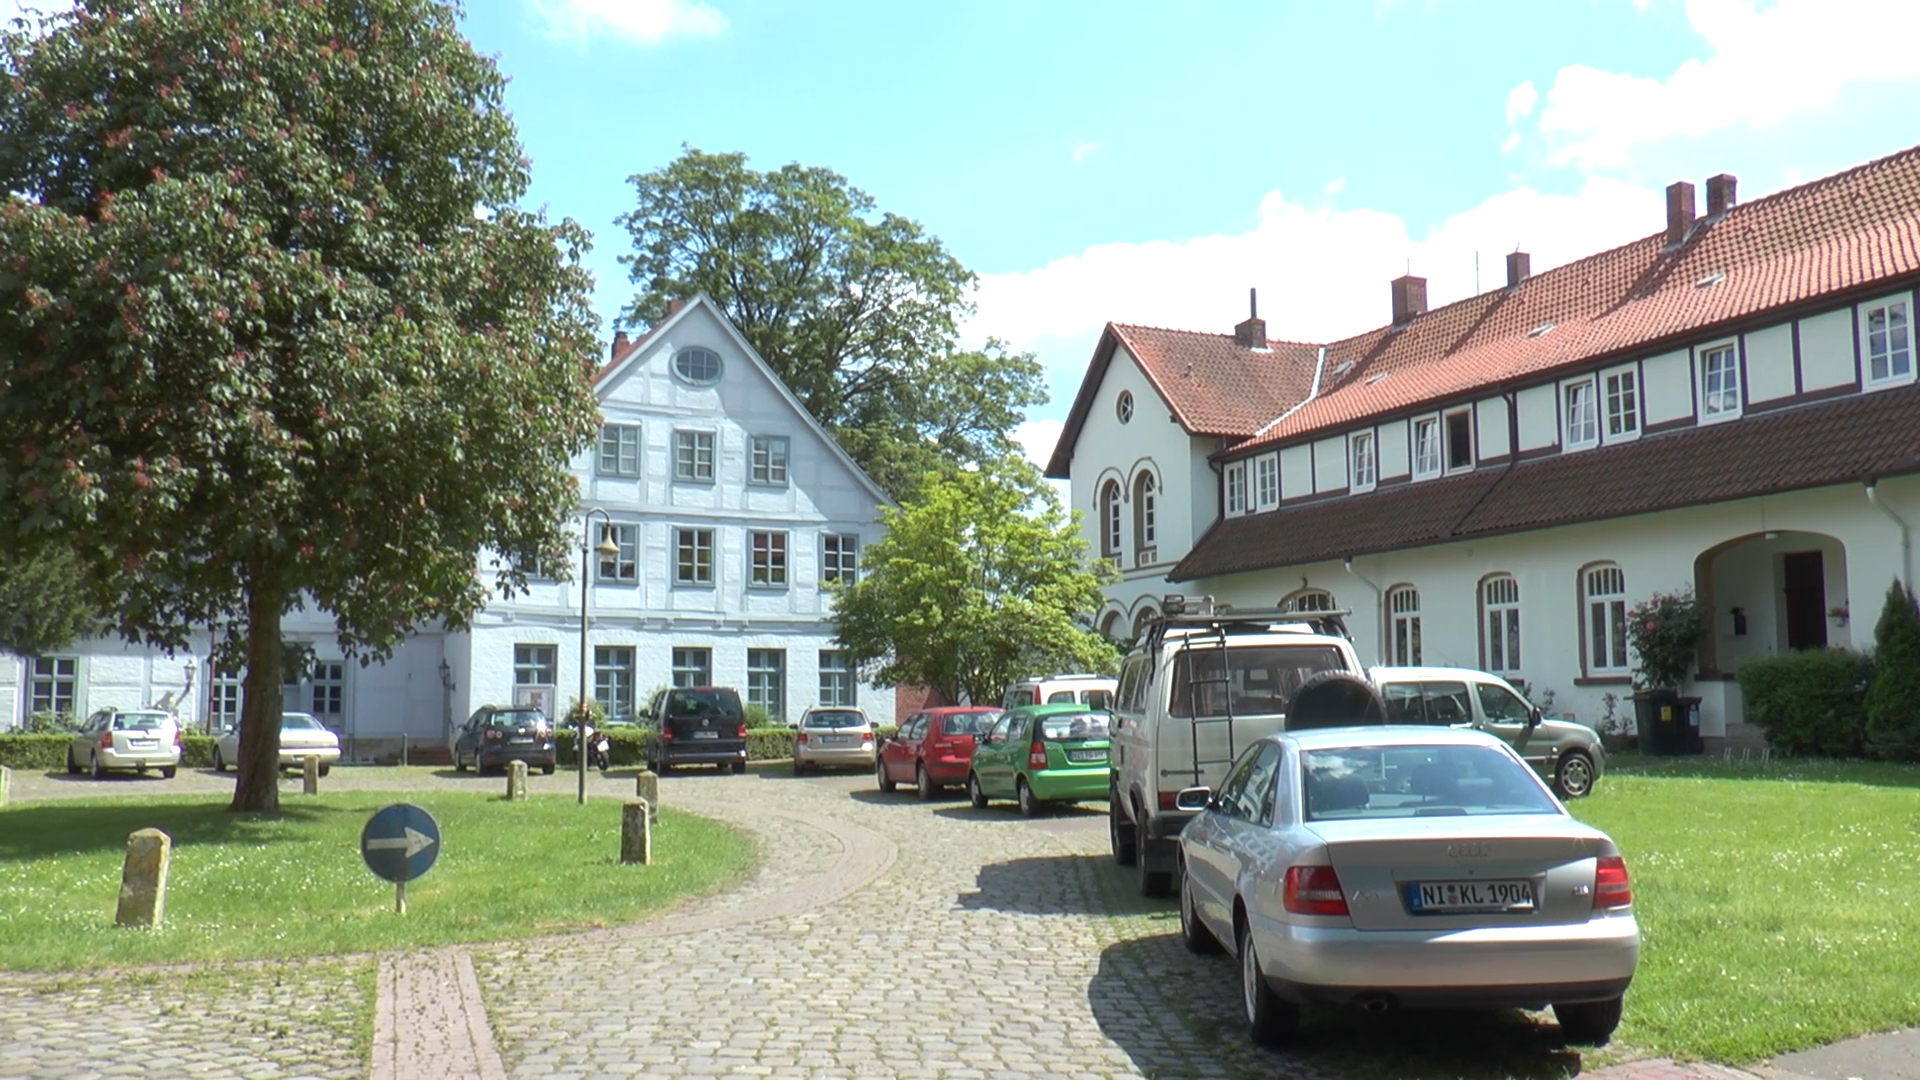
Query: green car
<point x="1038" y="754"/>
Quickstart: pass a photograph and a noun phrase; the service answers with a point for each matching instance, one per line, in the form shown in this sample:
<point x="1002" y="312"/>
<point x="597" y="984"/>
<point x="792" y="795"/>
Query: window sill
<point x="1604" y="680"/>
<point x="761" y="586"/>
<point x="1718" y="418"/>
<point x="708" y="482"/>
<point x="770" y="485"/>
<point x="693" y="584"/>
<point x="1870" y="385"/>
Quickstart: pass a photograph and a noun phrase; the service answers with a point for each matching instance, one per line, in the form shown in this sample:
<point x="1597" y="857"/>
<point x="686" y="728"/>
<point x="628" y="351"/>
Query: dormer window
<point x="1887" y="335"/>
<point x="1459" y="440"/>
<point x="1623" y="405"/>
<point x="1361" y="457"/>
<point x="1426" y="448"/>
<point x="1236" y="484"/>
<point x="1581" y="415"/>
<point x="1266" y="481"/>
<point x="1719" y="383"/>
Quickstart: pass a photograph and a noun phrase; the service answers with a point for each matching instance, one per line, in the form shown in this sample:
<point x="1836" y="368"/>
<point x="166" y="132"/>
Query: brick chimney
<point x="1679" y="211"/>
<point x="1720" y="194"/>
<point x="1519" y="267"/>
<point x="619" y="343"/>
<point x="1409" y="298"/>
<point x="1251" y="334"/>
<point x="674" y="306"/>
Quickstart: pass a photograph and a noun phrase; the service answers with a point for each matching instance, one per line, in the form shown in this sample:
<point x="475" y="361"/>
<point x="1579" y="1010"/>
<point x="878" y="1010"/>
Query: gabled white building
<point x="730" y="508"/>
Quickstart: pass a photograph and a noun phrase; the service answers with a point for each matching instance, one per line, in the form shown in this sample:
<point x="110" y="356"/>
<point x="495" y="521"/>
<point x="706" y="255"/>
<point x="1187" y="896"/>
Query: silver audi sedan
<point x="1388" y="867"/>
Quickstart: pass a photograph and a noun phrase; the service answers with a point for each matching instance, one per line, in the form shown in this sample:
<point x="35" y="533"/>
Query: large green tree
<point x="1893" y="697"/>
<point x="983" y="579"/>
<point x="857" y="311"/>
<point x="45" y="602"/>
<point x="273" y="329"/>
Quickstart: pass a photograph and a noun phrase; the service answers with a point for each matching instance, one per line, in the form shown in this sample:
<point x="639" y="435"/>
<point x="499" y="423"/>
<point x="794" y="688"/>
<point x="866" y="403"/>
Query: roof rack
<point x="1180" y="611"/>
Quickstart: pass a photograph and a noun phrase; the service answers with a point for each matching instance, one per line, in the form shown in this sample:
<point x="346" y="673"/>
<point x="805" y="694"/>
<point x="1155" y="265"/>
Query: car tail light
<point x="106" y="740"/>
<point x="1611" y="887"/>
<point x="1037" y="755"/>
<point x="666" y="734"/>
<point x="176" y="737"/>
<point x="742" y="733"/>
<point x="1314" y="890"/>
<point x="800" y="738"/>
<point x="492" y="735"/>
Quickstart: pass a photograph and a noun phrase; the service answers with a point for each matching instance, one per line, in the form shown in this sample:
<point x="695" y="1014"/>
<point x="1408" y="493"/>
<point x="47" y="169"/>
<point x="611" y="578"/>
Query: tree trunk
<point x="257" y="788"/>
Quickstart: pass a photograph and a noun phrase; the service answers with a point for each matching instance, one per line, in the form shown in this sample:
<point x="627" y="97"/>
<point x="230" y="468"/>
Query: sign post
<point x="400" y="843"/>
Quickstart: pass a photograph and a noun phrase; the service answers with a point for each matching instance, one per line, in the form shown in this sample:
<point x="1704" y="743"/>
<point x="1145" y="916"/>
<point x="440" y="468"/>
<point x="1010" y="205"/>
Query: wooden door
<point x="1806" y="589"/>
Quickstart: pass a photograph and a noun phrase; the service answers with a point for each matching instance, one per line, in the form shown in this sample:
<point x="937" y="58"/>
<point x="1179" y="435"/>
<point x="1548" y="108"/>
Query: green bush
<point x="36" y="753"/>
<point x="196" y="751"/>
<point x="628" y="745"/>
<point x="759" y="717"/>
<point x="1811" y="702"/>
<point x="50" y="723"/>
<point x="1893" y="701"/>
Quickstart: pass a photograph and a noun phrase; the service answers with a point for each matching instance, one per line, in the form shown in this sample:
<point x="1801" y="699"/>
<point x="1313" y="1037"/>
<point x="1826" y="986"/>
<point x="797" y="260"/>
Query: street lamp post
<point x="606" y="547"/>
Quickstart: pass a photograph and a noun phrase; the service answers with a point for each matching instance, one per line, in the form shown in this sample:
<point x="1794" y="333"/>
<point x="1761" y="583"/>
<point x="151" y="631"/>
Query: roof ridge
<point x="1271" y="342"/>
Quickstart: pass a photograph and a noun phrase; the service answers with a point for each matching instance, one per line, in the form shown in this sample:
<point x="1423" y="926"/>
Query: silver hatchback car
<point x="833" y="737"/>
<point x="1405" y="866"/>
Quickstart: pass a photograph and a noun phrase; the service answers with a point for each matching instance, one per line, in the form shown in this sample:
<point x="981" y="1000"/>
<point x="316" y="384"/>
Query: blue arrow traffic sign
<point x="400" y="842"/>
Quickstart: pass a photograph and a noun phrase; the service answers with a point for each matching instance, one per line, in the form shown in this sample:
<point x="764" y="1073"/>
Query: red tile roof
<point x="1846" y="440"/>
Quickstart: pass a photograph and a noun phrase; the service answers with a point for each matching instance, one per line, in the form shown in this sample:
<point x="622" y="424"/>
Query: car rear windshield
<point x="970" y="723"/>
<point x="1251" y="679"/>
<point x="517" y="717"/>
<point x="839" y="718"/>
<point x="1073" y="726"/>
<point x="1419" y="781"/>
<point x="724" y="703"/>
<point x="141" y="721"/>
<point x="294" y="721"/>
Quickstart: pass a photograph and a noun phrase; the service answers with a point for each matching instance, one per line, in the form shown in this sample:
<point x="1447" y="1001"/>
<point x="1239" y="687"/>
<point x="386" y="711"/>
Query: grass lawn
<point x="1777" y="902"/>
<point x="245" y="886"/>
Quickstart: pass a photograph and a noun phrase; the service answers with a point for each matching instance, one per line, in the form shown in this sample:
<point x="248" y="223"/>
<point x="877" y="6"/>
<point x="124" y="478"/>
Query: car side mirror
<point x="1533" y="718"/>
<point x="1194" y="799"/>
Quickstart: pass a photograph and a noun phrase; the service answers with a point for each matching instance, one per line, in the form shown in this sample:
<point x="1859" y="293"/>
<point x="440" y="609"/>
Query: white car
<point x="137" y="739"/>
<point x="301" y="735"/>
<point x="833" y="736"/>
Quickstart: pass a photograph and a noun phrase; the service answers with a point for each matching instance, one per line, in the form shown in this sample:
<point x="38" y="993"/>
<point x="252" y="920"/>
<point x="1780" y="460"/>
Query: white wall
<point x="1393" y="451"/>
<point x="1491" y="414"/>
<point x="1330" y="464"/>
<point x="1669" y="394"/>
<point x="1826" y="350"/>
<point x="1539" y="417"/>
<point x="1770" y="363"/>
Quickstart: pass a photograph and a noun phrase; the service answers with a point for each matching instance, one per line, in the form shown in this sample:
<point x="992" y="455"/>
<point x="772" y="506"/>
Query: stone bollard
<point x="310" y="774"/>
<point x="636" y="837"/>
<point x="6" y="783"/>
<point x="143" y="879"/>
<point x="517" y="781"/>
<point x="647" y="787"/>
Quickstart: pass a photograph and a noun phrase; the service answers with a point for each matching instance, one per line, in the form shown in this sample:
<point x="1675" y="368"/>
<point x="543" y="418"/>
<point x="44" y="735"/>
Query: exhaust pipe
<point x="1374" y="1003"/>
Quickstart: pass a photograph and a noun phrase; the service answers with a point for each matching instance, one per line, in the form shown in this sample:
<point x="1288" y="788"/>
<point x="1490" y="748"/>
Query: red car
<point x="933" y="749"/>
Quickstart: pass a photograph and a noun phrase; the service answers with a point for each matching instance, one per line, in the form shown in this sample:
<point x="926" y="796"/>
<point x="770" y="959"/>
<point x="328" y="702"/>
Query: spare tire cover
<point x="1335" y="699"/>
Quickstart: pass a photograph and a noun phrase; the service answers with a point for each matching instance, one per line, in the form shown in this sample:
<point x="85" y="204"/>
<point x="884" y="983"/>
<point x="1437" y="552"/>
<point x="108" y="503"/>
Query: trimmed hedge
<point x="1811" y="702"/>
<point x="47" y="753"/>
<point x="629" y="744"/>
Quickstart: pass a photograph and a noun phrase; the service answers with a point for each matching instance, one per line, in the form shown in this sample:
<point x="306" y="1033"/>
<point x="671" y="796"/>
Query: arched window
<point x="1110" y="518"/>
<point x="1110" y="626"/>
<point x="1603" y="596"/>
<point x="1141" y="620"/>
<point x="697" y="365"/>
<point x="1500" y="624"/>
<point x="1403" y="606"/>
<point x="1307" y="600"/>
<point x="1146" y="530"/>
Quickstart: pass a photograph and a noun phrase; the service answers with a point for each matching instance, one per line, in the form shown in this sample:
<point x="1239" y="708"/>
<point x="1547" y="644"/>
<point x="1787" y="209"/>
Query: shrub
<point x="1810" y="702"/>
<point x="50" y="723"/>
<point x="759" y="717"/>
<point x="1664" y="630"/>
<point x="36" y="753"/>
<point x="1893" y="701"/>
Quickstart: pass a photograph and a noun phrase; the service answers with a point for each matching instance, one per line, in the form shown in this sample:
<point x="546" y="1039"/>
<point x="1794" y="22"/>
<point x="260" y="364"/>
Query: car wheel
<point x="1023" y="794"/>
<point x="459" y="763"/>
<point x="1193" y="933"/>
<point x="924" y="784"/>
<point x="739" y="768"/>
<point x="975" y="795"/>
<point x="1120" y="833"/>
<point x="73" y="767"/>
<point x="168" y="772"/>
<point x="1271" y="1021"/>
<point x="325" y="769"/>
<point x="1574" y="778"/>
<point x="99" y="770"/>
<point x="1588" y="1023"/>
<point x="880" y="777"/>
<point x="545" y="770"/>
<point x="662" y="769"/>
<point x="797" y="770"/>
<point x="1152" y="882"/>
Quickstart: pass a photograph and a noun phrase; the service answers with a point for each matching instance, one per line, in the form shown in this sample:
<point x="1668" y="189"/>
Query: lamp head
<point x="606" y="549"/>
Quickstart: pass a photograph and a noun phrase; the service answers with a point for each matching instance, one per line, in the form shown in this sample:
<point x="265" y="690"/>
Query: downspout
<point x="1380" y="615"/>
<point x="1319" y="365"/>
<point x="1906" y="534"/>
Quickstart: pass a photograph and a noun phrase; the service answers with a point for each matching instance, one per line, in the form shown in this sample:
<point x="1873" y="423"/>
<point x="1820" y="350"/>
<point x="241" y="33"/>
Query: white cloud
<point x="1768" y="60"/>
<point x="1322" y="275"/>
<point x="1520" y="101"/>
<point x="1336" y="185"/>
<point x="648" y="22"/>
<point x="1083" y="151"/>
<point x="1038" y="438"/>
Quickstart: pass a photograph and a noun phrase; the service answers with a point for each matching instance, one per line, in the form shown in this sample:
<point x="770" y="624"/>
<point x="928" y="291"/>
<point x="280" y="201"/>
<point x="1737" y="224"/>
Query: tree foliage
<point x="1893" y="697"/>
<point x="45" y="602"/>
<point x="273" y="330"/>
<point x="983" y="579"/>
<point x="857" y="311"/>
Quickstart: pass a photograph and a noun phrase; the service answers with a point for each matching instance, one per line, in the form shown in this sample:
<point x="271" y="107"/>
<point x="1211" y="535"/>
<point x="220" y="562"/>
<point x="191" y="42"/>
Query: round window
<point x="1125" y="406"/>
<point x="698" y="366"/>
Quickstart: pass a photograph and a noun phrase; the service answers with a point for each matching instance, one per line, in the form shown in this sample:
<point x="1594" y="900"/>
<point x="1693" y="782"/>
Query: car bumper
<point x="1064" y="785"/>
<point x="532" y="754"/>
<point x="296" y="757"/>
<point x="1504" y="967"/>
<point x="168" y="757"/>
<point x="696" y="754"/>
<point x="836" y="755"/>
<point x="947" y="770"/>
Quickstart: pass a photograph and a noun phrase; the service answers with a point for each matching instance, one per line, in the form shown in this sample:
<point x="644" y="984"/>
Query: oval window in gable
<point x="697" y="365"/>
<point x="1125" y="406"/>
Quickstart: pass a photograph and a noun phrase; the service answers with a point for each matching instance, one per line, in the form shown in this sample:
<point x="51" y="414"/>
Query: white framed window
<point x="1123" y="406"/>
<point x="839" y="558"/>
<point x="1623" y="405"/>
<point x="536" y="665"/>
<point x="1266" y="481"/>
<point x="1403" y="643"/>
<point x="693" y="556"/>
<point x="697" y="365"/>
<point x="1146" y="518"/>
<point x="1886" y="331"/>
<point x="56" y="684"/>
<point x="1604" y="595"/>
<point x="769" y="460"/>
<point x="1426" y="448"/>
<point x="1236" y="481"/>
<point x="1110" y="518"/>
<point x="767" y="682"/>
<point x="837" y="686"/>
<point x="1500" y="607"/>
<point x="328" y="692"/>
<point x="1360" y="457"/>
<point x="1719" y="382"/>
<point x="1458" y="427"/>
<point x="693" y="456"/>
<point x="223" y="704"/>
<point x="624" y="563"/>
<point x="767" y="554"/>
<point x="613" y="679"/>
<point x="1308" y="600"/>
<point x="620" y="450"/>
<point x="1580" y="415"/>
<point x="692" y="667"/>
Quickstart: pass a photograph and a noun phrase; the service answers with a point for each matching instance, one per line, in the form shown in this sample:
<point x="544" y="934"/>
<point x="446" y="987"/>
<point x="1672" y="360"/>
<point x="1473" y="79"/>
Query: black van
<point x="697" y="725"/>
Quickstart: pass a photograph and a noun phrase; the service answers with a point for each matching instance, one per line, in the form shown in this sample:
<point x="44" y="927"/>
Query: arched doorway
<point x="1768" y="593"/>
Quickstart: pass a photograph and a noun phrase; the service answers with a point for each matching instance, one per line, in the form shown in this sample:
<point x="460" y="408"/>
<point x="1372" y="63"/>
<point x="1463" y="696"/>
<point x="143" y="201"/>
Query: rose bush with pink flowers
<point x="1664" y="630"/>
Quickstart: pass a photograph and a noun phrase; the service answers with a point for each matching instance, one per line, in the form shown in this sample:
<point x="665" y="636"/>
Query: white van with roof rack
<point x="1093" y="691"/>
<point x="1202" y="683"/>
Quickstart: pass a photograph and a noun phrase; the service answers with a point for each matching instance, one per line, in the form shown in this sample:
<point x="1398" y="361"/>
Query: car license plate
<point x="521" y="740"/>
<point x="833" y="740"/>
<point x="1452" y="897"/>
<point x="706" y="734"/>
<point x="1086" y="755"/>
